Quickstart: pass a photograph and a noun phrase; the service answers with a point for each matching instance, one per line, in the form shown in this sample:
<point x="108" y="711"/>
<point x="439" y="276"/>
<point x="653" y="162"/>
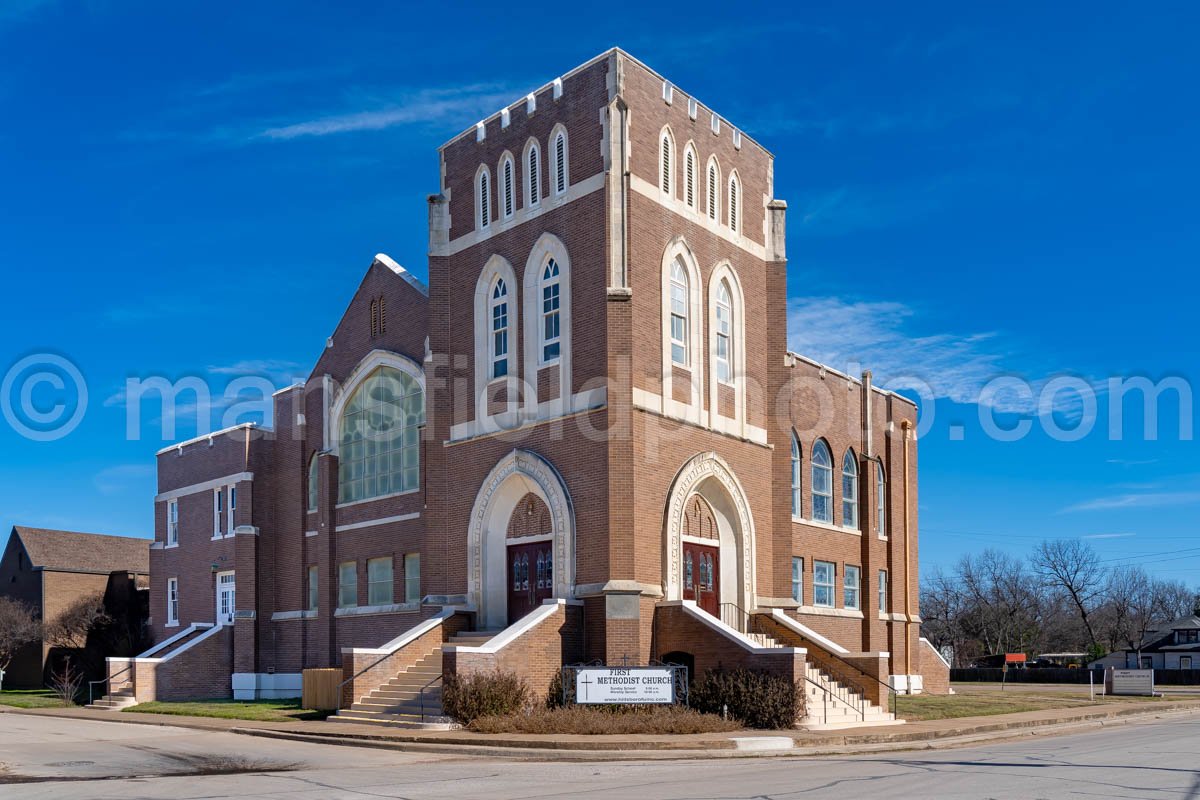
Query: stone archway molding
<point x="696" y="471"/>
<point x="519" y="472"/>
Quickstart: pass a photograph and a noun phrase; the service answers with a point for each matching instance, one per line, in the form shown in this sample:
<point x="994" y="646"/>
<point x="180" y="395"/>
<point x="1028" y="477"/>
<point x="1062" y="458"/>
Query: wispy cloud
<point x="1136" y="500"/>
<point x="120" y="478"/>
<point x="1125" y="462"/>
<point x="1107" y="535"/>
<point x="893" y="341"/>
<point x="277" y="370"/>
<point x="460" y="104"/>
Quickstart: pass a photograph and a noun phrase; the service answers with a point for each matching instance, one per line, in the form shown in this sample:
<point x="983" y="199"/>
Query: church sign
<point x="634" y="685"/>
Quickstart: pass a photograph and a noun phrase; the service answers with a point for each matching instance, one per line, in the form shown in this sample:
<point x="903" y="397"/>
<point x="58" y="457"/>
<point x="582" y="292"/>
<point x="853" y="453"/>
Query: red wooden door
<point x="530" y="577"/>
<point x="702" y="576"/>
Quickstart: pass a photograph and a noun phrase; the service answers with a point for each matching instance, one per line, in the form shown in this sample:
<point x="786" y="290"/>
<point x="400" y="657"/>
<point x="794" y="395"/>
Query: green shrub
<point x="758" y="699"/>
<point x="466" y="698"/>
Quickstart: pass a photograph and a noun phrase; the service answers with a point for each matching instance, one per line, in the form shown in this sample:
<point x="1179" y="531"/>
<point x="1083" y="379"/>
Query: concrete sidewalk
<point x="927" y="734"/>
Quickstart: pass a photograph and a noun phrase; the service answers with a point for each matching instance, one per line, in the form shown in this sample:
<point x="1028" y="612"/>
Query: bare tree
<point x="18" y="627"/>
<point x="71" y="627"/>
<point x="1174" y="600"/>
<point x="66" y="682"/>
<point x="1072" y="566"/>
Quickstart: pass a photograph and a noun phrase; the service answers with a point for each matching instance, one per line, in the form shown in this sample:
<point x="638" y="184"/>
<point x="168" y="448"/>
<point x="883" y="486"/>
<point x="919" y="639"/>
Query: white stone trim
<point x="501" y="214"/>
<point x="513" y="476"/>
<point x="403" y="639"/>
<point x="936" y="652"/>
<point x="688" y="481"/>
<point x="672" y="155"/>
<point x="826" y="526"/>
<point x="312" y="533"/>
<point x="779" y="617"/>
<point x="822" y="611"/>
<point x="698" y="217"/>
<point x="528" y="186"/>
<point x="207" y="437"/>
<point x="283" y="616"/>
<point x="206" y="486"/>
<point x="366" y="611"/>
<point x="519" y="628"/>
<point x="376" y="499"/>
<point x="574" y="192"/>
<point x="691" y="609"/>
<point x="656" y="404"/>
<point x="353" y="526"/>
<point x="618" y="587"/>
<point x="583" y="401"/>
<point x="548" y="246"/>
<point x="208" y="628"/>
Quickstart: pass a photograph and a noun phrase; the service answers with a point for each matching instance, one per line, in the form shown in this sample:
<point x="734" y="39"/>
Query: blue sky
<point x="194" y="189"/>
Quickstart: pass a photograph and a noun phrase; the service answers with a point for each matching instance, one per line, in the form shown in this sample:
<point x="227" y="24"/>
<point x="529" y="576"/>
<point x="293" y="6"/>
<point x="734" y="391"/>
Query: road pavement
<point x="46" y="757"/>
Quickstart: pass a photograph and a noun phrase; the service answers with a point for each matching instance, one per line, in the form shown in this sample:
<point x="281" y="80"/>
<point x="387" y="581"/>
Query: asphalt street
<point x="44" y="757"/>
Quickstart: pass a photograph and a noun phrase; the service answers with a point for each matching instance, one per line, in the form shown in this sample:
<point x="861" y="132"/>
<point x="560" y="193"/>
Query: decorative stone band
<point x="363" y="611"/>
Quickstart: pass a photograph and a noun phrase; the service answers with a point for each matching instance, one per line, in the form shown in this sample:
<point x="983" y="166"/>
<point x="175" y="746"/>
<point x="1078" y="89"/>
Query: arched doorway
<point x="709" y="528"/>
<point x="521" y="513"/>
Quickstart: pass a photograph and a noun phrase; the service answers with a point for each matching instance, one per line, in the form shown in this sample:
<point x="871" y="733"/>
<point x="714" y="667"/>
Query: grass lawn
<point x="981" y="701"/>
<point x="29" y="698"/>
<point x="287" y="710"/>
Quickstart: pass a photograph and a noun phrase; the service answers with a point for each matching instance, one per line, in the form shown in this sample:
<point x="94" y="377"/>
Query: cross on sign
<point x="585" y="683"/>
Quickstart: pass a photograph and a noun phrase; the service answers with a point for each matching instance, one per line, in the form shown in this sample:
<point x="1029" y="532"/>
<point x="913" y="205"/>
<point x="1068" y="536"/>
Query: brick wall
<point x="377" y="669"/>
<point x="935" y="674"/>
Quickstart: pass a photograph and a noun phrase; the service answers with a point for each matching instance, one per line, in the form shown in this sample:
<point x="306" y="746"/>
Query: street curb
<point x="566" y="751"/>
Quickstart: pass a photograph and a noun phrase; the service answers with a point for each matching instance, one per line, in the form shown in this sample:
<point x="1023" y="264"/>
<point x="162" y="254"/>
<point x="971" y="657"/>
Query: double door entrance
<point x="530" y="577"/>
<point x="702" y="576"/>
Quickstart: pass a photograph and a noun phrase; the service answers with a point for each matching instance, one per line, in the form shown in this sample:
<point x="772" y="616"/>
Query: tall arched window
<point x="822" y="483"/>
<point x="499" y="340"/>
<point x="312" y="483"/>
<point x="850" y="490"/>
<point x="560" y="162"/>
<point x="506" y="187"/>
<point x="714" y="185"/>
<point x="679" y="314"/>
<point x="689" y="177"/>
<point x="724" y="334"/>
<point x="483" y="211"/>
<point x="666" y="163"/>
<point x="880" y="501"/>
<point x="735" y="199"/>
<point x="796" y="476"/>
<point x="551" y="285"/>
<point x="533" y="176"/>
<point x="379" y="444"/>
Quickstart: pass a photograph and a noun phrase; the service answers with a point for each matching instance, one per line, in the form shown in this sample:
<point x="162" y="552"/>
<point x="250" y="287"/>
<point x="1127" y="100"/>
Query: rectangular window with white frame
<point x="218" y="511"/>
<point x="314" y="598"/>
<point x="412" y="578"/>
<point x="232" y="508"/>
<point x="883" y="604"/>
<point x="347" y="584"/>
<point x="851" y="587"/>
<point x="379" y="581"/>
<point x="824" y="574"/>
<point x="172" y="523"/>
<point x="798" y="579"/>
<point x="172" y="601"/>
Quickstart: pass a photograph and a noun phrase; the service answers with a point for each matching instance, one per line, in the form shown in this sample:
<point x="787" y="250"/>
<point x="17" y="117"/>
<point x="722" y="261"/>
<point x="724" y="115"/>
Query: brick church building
<point x="584" y="440"/>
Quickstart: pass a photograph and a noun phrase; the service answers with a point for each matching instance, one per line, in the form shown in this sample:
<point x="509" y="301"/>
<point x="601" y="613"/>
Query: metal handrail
<point x="361" y="672"/>
<point x="423" y="688"/>
<point x="840" y="676"/>
<point x="104" y="680"/>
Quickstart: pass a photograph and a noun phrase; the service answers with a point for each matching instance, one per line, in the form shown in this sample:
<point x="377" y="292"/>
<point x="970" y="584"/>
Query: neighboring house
<point x="592" y="406"/>
<point x="49" y="569"/>
<point x="1172" y="645"/>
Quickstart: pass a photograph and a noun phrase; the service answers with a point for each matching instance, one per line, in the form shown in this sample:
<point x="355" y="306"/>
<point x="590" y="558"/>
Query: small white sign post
<point x="632" y="685"/>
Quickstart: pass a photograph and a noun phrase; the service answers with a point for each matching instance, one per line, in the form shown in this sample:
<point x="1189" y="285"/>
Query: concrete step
<point x="393" y="721"/>
<point x="409" y="707"/>
<point x="397" y="695"/>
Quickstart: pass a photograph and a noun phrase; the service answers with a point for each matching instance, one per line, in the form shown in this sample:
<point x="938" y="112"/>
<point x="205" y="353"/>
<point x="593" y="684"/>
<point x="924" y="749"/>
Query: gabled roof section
<point x="412" y="280"/>
<point x="71" y="551"/>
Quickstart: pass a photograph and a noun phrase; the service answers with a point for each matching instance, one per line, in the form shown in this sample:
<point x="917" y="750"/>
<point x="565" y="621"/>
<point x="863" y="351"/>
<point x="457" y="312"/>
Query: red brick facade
<point x="557" y="412"/>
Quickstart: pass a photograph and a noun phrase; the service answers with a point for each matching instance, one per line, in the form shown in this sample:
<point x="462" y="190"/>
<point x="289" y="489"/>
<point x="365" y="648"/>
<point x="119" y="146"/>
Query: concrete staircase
<point x="399" y="702"/>
<point x="831" y="705"/>
<point x="117" y="699"/>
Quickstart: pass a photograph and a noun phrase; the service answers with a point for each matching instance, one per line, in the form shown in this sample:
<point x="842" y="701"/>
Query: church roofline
<point x="600" y="57"/>
<point x="850" y="378"/>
